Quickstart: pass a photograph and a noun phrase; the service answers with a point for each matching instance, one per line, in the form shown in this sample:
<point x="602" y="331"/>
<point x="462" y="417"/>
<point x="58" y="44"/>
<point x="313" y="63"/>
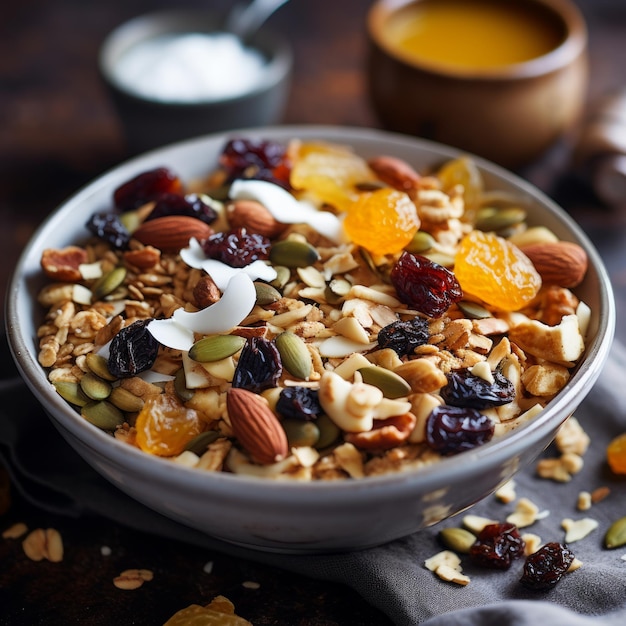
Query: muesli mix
<point x="304" y="313"/>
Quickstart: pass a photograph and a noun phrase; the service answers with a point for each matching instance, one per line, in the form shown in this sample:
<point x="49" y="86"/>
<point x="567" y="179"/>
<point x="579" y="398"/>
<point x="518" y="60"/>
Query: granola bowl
<point x="271" y="489"/>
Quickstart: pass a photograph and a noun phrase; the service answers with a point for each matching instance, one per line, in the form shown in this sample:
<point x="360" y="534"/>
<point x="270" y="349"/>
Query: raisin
<point x="190" y="205"/>
<point x="425" y="285"/>
<point x="404" y="336"/>
<point x="257" y="159"/>
<point x="259" y="365"/>
<point x="109" y="228"/>
<point x="465" y="389"/>
<point x="543" y="569"/>
<point x="133" y="350"/>
<point x="146" y="187"/>
<point x="301" y="403"/>
<point x="452" y="429"/>
<point x="497" y="546"/>
<point x="237" y="247"/>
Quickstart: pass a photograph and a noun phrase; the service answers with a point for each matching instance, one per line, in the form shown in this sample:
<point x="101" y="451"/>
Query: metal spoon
<point x="243" y="21"/>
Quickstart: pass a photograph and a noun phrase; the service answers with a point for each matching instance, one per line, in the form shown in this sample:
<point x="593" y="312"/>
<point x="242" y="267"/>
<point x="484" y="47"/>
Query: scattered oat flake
<point x="15" y="531"/>
<point x="105" y="551"/>
<point x="475" y="523"/>
<point x="575" y="530"/>
<point x="250" y="584"/>
<point x="132" y="578"/>
<point x="506" y="493"/>
<point x="623" y="557"/>
<point x="208" y="567"/>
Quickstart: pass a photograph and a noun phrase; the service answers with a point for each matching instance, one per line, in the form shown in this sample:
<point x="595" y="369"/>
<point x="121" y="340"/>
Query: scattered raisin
<point x="543" y="569"/>
<point x="424" y="285"/>
<point x="109" y="228"/>
<point x="452" y="429"/>
<point x="237" y="247"/>
<point x="190" y="205"/>
<point x="404" y="336"/>
<point x="146" y="187"/>
<point x="259" y="366"/>
<point x="133" y="350"/>
<point x="465" y="389"/>
<point x="300" y="403"/>
<point x="497" y="545"/>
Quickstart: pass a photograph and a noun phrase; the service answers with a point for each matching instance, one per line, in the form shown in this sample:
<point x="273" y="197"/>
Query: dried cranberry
<point x="190" y="205"/>
<point x="145" y="187"/>
<point x="108" y="227"/>
<point x="299" y="403"/>
<point x="404" y="336"/>
<point x="132" y="350"/>
<point x="237" y="247"/>
<point x="496" y="546"/>
<point x="452" y="429"/>
<point x="257" y="159"/>
<point x="465" y="389"/>
<point x="259" y="365"/>
<point x="544" y="568"/>
<point x="424" y="285"/>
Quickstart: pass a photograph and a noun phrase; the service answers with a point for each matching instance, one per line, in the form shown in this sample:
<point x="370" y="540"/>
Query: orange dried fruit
<point x="616" y="454"/>
<point x="463" y="171"/>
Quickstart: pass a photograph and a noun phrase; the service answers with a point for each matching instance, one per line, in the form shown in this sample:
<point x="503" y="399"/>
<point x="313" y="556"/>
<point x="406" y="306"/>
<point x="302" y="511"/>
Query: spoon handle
<point x="243" y="21"/>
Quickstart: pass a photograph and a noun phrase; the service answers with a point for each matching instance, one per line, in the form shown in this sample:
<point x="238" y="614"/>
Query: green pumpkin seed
<point x="421" y="242"/>
<point x="492" y="219"/>
<point x="391" y="384"/>
<point x="71" y="392"/>
<point x="473" y="310"/>
<point x="294" y="354"/>
<point x="457" y="539"/>
<point x="616" y="534"/>
<point x="95" y="387"/>
<point x="103" y="415"/>
<point x="108" y="283"/>
<point x="329" y="432"/>
<point x="301" y="433"/>
<point x="99" y="366"/>
<point x="293" y="253"/>
<point x="215" y="348"/>
<point x="266" y="294"/>
<point x="126" y="401"/>
<point x="283" y="275"/>
<point x="336" y="290"/>
<point x="180" y="386"/>
<point x="199" y="444"/>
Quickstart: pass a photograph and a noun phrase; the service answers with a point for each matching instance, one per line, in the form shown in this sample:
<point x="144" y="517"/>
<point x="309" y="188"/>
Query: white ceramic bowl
<point x="301" y="517"/>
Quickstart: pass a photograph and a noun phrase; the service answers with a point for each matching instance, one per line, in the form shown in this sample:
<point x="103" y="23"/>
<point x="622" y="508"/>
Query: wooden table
<point x="58" y="131"/>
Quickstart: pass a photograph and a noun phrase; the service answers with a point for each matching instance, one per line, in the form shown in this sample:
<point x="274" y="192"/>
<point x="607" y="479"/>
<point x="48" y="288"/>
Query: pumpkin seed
<point x="71" y="392"/>
<point x="421" y="242"/>
<point x="266" y="294"/>
<point x="336" y="290"/>
<point x="293" y="253"/>
<point x="329" y="432"/>
<point x="300" y="433"/>
<point x="492" y="219"/>
<point x="99" y="366"/>
<point x="124" y="400"/>
<point x="616" y="534"/>
<point x="473" y="310"/>
<point x="283" y="274"/>
<point x="391" y="384"/>
<point x="180" y="386"/>
<point x="215" y="348"/>
<point x="294" y="354"/>
<point x="457" y="539"/>
<point x="109" y="282"/>
<point x="95" y="387"/>
<point x="103" y="415"/>
<point x="199" y="444"/>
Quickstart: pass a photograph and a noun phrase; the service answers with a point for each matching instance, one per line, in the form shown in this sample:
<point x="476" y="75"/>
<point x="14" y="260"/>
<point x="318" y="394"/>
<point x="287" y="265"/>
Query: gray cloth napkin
<point x="391" y="577"/>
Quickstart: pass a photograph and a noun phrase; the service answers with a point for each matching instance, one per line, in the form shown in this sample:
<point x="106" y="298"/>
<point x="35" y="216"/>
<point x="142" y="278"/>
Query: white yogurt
<point x="190" y="67"/>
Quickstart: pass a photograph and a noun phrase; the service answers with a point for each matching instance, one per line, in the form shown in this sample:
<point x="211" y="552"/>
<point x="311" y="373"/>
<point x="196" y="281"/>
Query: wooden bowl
<point x="508" y="105"/>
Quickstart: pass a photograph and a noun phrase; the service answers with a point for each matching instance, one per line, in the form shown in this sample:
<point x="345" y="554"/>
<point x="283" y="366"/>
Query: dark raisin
<point x="424" y="285"/>
<point x="544" y="568"/>
<point x="300" y="403"/>
<point x="146" y="187"/>
<point x="259" y="366"/>
<point x="497" y="545"/>
<point x="257" y="159"/>
<point x="237" y="247"/>
<point x="109" y="228"/>
<point x="452" y="429"/>
<point x="403" y="337"/>
<point x="132" y="350"/>
<point x="190" y="205"/>
<point x="465" y="389"/>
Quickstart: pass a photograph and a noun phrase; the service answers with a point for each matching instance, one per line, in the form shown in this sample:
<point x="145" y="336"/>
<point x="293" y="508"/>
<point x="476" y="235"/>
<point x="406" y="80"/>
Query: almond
<point x="396" y="173"/>
<point x="171" y="233"/>
<point x="561" y="263"/>
<point x="253" y="216"/>
<point x="144" y="258"/>
<point x="256" y="427"/>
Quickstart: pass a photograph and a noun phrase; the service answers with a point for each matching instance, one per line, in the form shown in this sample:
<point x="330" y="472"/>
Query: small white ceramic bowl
<point x="302" y="517"/>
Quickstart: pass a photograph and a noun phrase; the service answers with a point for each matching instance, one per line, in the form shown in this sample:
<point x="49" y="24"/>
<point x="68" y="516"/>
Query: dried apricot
<point x="616" y="454"/>
<point x="463" y="171"/>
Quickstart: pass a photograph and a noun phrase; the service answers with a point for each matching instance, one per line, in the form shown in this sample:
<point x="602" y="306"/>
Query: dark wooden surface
<point x="57" y="132"/>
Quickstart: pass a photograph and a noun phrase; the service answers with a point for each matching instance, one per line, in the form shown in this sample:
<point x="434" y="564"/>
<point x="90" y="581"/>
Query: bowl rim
<point x="263" y="490"/>
<point x="167" y="21"/>
<point x="572" y="47"/>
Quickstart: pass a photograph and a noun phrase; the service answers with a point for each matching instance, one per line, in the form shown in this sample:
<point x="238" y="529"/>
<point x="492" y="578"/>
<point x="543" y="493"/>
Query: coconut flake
<point x="286" y="209"/>
<point x="169" y="333"/>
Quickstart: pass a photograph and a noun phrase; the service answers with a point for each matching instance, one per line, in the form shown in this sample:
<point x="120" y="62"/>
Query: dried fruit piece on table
<point x="616" y="454"/>
<point x="220" y="612"/>
<point x="497" y="546"/>
<point x="451" y="429"/>
<point x="145" y="187"/>
<point x="543" y="569"/>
